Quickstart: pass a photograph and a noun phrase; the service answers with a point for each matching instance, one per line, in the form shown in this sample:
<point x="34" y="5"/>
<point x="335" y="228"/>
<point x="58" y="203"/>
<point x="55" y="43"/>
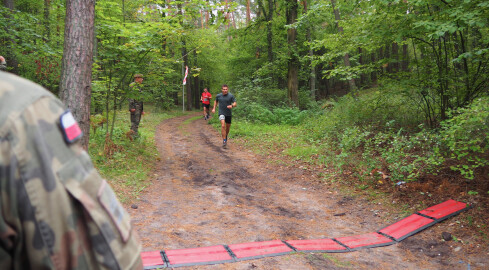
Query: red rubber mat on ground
<point x="444" y="210"/>
<point x="407" y="227"/>
<point x="365" y="240"/>
<point x="222" y="254"/>
<point x="324" y="245"/>
<point x="152" y="259"/>
<point x="195" y="256"/>
<point x="259" y="249"/>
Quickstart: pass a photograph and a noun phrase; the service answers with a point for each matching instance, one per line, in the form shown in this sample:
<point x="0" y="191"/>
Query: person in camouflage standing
<point x="56" y="210"/>
<point x="135" y="106"/>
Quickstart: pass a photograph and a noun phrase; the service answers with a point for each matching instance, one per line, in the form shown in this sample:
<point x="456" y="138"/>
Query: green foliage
<point x="465" y="137"/>
<point x="281" y="115"/>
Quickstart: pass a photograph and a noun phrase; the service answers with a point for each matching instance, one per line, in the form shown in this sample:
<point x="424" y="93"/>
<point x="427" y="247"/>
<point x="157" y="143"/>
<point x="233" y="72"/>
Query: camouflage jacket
<point x="56" y="210"/>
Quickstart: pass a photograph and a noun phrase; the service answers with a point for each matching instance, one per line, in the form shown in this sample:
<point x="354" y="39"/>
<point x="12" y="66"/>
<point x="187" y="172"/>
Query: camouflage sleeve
<point x="56" y="210"/>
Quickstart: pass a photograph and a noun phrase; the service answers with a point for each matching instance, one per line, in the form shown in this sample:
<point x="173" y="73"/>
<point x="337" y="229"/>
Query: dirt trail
<point x="204" y="195"/>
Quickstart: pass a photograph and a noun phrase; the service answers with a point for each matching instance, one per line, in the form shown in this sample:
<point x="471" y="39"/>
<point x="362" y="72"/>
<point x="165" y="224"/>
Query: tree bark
<point x="248" y="13"/>
<point x="293" y="65"/>
<point x="76" y="70"/>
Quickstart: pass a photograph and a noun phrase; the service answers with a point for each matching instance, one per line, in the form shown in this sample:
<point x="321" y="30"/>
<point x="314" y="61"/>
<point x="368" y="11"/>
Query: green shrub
<point x="465" y="137"/>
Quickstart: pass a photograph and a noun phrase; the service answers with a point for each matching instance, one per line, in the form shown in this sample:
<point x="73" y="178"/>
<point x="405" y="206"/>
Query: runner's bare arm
<point x="214" y="108"/>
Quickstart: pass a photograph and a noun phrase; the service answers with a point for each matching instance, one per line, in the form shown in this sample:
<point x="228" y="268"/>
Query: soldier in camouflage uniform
<point x="135" y="106"/>
<point x="56" y="210"/>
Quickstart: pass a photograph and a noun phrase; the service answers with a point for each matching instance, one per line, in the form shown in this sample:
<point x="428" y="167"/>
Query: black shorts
<point x="206" y="105"/>
<point x="227" y="119"/>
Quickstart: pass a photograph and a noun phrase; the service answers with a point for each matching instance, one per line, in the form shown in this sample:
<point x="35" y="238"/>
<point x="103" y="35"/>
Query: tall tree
<point x="47" y="28"/>
<point x="346" y="57"/>
<point x="76" y="70"/>
<point x="248" y="13"/>
<point x="293" y="62"/>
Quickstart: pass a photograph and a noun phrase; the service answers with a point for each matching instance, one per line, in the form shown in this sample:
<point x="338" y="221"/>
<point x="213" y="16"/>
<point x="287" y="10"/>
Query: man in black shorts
<point x="226" y="102"/>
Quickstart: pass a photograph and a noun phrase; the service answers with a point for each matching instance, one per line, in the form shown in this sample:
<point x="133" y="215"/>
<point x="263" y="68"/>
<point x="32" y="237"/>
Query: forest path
<point x="204" y="195"/>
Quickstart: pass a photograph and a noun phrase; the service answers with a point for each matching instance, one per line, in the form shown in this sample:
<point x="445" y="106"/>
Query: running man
<point x="226" y="102"/>
<point x="206" y="102"/>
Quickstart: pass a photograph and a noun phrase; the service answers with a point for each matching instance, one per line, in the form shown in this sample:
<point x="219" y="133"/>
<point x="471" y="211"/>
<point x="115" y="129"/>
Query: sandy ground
<point x="204" y="195"/>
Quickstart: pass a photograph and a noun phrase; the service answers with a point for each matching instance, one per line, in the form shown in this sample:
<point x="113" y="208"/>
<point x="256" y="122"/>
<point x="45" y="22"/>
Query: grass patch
<point x="336" y="261"/>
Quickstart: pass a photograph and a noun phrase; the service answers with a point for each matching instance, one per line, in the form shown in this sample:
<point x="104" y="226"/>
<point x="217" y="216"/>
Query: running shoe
<point x="224" y="143"/>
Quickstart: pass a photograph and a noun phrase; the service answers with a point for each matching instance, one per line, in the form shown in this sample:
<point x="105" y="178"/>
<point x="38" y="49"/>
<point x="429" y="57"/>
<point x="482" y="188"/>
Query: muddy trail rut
<point x="203" y="195"/>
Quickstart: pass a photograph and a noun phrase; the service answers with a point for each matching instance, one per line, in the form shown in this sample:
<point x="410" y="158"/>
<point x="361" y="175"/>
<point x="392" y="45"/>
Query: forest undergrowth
<point x="374" y="145"/>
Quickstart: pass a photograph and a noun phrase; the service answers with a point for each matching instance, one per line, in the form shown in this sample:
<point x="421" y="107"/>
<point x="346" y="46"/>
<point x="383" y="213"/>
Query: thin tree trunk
<point x="361" y="61"/>
<point x="395" y="56"/>
<point x="248" y="13"/>
<point x="269" y="30"/>
<point x="346" y="57"/>
<point x="76" y="71"/>
<point x="188" y="89"/>
<point x="312" y="76"/>
<point x="195" y="86"/>
<point x="47" y="30"/>
<point x="373" y="74"/>
<point x="293" y="65"/>
<point x="405" y="58"/>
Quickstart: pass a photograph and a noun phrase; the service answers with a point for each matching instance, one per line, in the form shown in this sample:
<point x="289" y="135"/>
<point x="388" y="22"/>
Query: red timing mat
<point x="194" y="256"/>
<point x="259" y="249"/>
<point x="407" y="227"/>
<point x="444" y="210"/>
<point x="365" y="240"/>
<point x="152" y="258"/>
<point x="237" y="252"/>
<point x="325" y="245"/>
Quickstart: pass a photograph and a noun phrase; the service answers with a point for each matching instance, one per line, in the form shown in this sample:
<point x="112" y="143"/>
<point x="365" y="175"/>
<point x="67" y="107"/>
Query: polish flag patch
<point x="69" y="127"/>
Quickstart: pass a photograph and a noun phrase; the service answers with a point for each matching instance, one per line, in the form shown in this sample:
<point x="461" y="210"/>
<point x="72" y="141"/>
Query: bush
<point x="465" y="137"/>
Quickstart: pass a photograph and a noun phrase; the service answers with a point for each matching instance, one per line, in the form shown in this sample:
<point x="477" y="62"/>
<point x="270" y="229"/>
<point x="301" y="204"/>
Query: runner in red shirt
<point x="206" y="101"/>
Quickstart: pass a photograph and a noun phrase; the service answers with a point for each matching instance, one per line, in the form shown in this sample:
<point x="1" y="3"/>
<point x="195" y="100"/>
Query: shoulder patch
<point x="69" y="127"/>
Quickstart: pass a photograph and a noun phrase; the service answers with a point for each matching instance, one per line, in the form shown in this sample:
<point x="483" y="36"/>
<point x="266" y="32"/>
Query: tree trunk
<point x="405" y="58"/>
<point x="395" y="56"/>
<point x="47" y="31"/>
<point x="361" y="61"/>
<point x="373" y="74"/>
<point x="269" y="30"/>
<point x="346" y="57"/>
<point x="312" y="76"/>
<point x="76" y="71"/>
<point x="188" y="89"/>
<point x="248" y="13"/>
<point x="293" y="65"/>
<point x="388" y="66"/>
<point x="195" y="86"/>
